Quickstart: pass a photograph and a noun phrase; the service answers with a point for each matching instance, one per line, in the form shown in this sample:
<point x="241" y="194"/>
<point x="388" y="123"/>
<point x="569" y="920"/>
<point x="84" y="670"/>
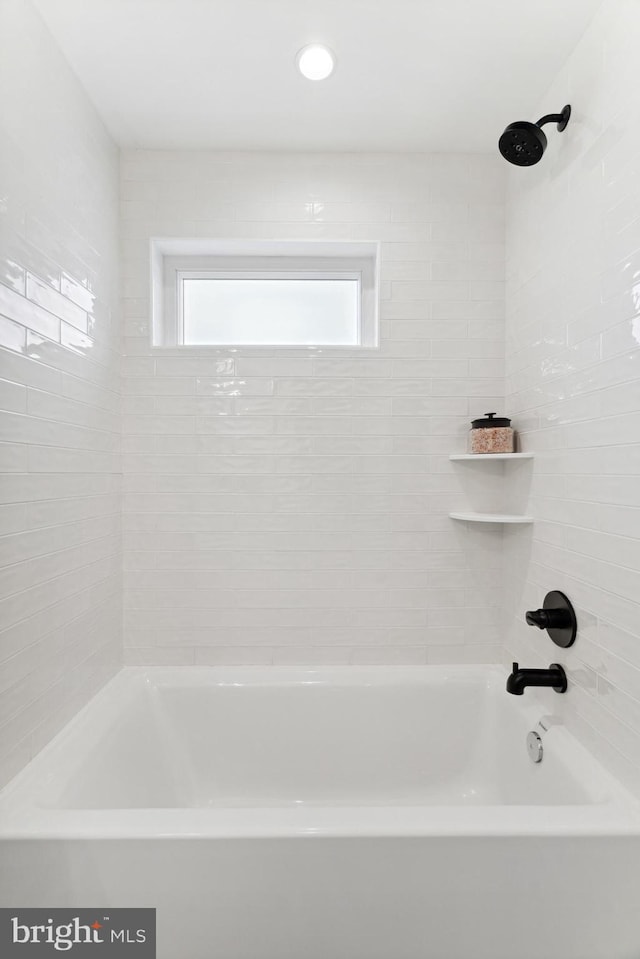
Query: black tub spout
<point x="554" y="677"/>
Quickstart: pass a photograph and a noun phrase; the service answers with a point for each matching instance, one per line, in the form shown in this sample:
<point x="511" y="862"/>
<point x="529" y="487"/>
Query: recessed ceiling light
<point x="315" y="62"/>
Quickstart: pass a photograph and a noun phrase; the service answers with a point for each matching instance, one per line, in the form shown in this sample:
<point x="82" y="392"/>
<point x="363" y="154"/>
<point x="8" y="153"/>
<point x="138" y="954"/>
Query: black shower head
<point x="523" y="143"/>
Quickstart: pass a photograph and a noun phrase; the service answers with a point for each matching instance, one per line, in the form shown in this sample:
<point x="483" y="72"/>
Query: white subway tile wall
<point x="60" y="556"/>
<point x="573" y="360"/>
<point x="292" y="507"/>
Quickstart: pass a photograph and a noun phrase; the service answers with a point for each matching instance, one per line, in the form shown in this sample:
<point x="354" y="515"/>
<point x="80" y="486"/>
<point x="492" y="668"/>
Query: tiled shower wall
<point x="573" y="342"/>
<point x="60" y="578"/>
<point x="292" y="507"/>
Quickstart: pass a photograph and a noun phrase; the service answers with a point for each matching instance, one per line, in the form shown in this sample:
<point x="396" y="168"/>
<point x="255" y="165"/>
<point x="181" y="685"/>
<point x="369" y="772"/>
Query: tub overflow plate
<point x="534" y="747"/>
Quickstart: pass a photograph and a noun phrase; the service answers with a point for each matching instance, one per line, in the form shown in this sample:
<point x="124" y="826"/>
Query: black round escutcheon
<point x="562" y="678"/>
<point x="563" y="631"/>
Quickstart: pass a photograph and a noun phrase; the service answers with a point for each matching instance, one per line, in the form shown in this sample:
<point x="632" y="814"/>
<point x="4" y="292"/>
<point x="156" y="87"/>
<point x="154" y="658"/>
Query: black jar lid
<point x="490" y="421"/>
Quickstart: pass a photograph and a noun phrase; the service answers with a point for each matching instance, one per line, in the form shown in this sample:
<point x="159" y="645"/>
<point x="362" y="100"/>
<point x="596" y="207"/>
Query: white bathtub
<point x="349" y="813"/>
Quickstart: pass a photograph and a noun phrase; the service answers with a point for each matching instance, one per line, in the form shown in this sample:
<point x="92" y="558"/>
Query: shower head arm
<point x="550" y="118"/>
<point x="560" y="118"/>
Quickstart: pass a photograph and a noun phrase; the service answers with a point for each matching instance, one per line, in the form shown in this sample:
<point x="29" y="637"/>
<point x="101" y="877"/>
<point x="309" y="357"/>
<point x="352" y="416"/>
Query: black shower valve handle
<point x="547" y="618"/>
<point x="557" y="616"/>
<point x="536" y="617"/>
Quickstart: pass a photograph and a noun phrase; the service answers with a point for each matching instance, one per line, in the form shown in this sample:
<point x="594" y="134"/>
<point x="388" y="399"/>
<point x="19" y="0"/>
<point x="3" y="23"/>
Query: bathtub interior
<point x="214" y="738"/>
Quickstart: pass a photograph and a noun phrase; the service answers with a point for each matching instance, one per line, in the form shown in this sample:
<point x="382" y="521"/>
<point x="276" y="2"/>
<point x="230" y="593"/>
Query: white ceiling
<point x="415" y="75"/>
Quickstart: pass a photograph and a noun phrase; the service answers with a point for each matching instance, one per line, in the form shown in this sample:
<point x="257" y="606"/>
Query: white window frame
<point x="173" y="261"/>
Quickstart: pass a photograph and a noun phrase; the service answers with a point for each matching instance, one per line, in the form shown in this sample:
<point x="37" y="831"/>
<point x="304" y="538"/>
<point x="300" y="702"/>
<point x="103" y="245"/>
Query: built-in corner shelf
<point x="492" y="517"/>
<point x="491" y="456"/>
<point x="488" y="516"/>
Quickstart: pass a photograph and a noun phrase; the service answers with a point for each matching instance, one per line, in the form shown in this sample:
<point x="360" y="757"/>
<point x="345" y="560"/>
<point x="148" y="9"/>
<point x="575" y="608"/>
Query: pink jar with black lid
<point x="491" y="434"/>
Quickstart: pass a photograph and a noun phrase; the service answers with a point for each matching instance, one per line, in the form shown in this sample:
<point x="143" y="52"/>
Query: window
<point x="278" y="309"/>
<point x="284" y="297"/>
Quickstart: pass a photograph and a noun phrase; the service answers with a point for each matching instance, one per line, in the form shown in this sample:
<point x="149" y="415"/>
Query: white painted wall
<point x="573" y="337"/>
<point x="60" y="579"/>
<point x="292" y="507"/>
